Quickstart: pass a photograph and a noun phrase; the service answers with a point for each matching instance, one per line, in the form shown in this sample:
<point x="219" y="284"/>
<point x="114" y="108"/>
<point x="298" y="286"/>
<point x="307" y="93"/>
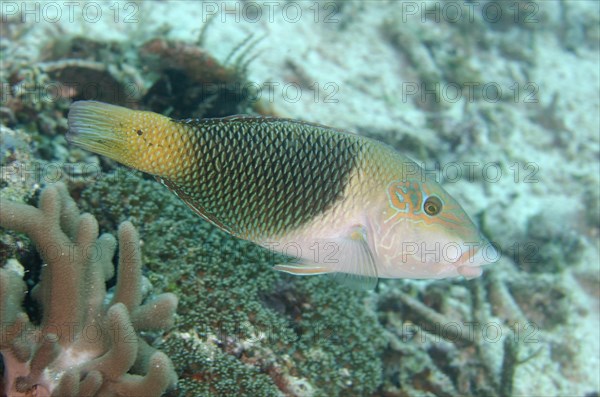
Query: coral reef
<point x="191" y="83"/>
<point x="243" y="328"/>
<point x="87" y="342"/>
<point x="529" y="326"/>
<point x="170" y="77"/>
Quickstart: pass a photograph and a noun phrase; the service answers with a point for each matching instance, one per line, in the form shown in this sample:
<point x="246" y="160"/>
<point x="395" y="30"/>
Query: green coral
<point x="244" y="329"/>
<point x="208" y="371"/>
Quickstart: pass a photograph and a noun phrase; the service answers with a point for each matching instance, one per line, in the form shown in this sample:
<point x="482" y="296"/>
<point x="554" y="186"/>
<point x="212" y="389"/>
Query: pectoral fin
<point x="352" y="263"/>
<point x="355" y="267"/>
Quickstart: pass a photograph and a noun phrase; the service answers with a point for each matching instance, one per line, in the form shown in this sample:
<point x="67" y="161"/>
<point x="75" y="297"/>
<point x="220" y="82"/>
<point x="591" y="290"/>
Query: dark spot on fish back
<point x="263" y="177"/>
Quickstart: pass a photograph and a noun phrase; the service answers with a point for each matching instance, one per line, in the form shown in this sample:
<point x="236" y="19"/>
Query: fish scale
<point x="281" y="182"/>
<point x="298" y="192"/>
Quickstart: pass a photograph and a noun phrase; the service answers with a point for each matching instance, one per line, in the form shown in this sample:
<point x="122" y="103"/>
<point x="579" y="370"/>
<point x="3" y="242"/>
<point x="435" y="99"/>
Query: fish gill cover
<point x="497" y="101"/>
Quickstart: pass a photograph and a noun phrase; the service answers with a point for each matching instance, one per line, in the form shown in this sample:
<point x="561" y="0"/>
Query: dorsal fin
<point x="194" y="206"/>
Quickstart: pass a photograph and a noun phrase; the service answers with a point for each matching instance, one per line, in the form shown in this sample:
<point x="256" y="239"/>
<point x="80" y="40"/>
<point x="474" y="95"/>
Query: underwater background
<point x="497" y="100"/>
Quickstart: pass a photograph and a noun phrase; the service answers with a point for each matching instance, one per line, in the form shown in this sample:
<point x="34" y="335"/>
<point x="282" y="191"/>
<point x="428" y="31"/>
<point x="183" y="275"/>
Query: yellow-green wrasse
<point x="337" y="202"/>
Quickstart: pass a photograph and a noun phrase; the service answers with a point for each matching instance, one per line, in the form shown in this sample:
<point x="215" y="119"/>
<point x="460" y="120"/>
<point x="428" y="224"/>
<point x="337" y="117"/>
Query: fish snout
<point x="474" y="257"/>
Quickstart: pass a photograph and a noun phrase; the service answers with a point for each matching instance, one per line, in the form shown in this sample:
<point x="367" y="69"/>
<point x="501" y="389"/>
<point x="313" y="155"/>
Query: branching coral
<point x="85" y="343"/>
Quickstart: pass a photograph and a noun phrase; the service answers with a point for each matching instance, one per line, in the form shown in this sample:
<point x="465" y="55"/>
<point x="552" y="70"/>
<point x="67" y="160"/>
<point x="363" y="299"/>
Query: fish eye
<point x="432" y="206"/>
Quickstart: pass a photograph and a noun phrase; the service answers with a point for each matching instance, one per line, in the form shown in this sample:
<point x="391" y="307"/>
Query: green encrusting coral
<point x="243" y="329"/>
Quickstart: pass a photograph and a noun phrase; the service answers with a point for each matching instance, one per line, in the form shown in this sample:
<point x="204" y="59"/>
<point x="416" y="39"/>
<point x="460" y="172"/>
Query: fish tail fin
<point x="142" y="140"/>
<point x="100" y="128"/>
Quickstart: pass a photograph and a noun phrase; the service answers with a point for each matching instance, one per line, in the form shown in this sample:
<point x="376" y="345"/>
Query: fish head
<point x="423" y="232"/>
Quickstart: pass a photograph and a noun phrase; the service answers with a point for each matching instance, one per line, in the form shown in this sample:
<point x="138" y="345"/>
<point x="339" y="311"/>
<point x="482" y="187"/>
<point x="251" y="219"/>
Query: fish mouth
<point x="470" y="263"/>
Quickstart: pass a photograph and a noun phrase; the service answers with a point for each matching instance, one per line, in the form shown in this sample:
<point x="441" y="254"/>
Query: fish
<point x="332" y="201"/>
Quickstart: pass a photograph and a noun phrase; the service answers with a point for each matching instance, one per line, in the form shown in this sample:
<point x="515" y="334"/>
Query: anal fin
<point x="300" y="269"/>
